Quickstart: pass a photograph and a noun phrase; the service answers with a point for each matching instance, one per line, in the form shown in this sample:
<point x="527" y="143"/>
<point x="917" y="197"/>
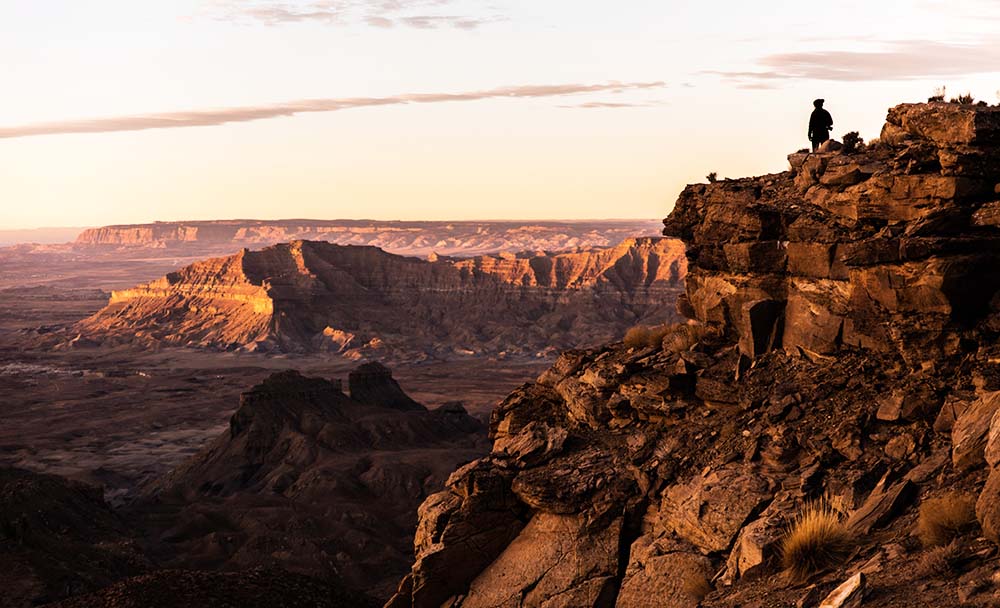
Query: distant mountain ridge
<point x="421" y="238"/>
<point x="316" y="296"/>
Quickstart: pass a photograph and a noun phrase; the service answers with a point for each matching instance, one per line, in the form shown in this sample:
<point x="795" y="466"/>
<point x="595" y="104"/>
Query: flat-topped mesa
<point x="318" y="296"/>
<point x="893" y="248"/>
<point x="421" y="238"/>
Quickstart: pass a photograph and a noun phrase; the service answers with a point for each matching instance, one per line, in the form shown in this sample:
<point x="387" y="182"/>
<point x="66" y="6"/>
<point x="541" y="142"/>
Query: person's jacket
<point x="820" y="123"/>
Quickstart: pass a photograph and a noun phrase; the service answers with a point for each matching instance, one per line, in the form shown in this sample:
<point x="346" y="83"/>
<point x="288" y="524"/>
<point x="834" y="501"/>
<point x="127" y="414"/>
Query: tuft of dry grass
<point x="697" y="585"/>
<point x="945" y="518"/>
<point x="816" y="540"/>
<point x="646" y="335"/>
<point x="939" y="561"/>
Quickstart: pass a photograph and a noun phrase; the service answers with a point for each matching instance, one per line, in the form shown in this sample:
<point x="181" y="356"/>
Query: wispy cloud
<point x="420" y="14"/>
<point x="212" y="117"/>
<point x="591" y="105"/>
<point x="898" y="60"/>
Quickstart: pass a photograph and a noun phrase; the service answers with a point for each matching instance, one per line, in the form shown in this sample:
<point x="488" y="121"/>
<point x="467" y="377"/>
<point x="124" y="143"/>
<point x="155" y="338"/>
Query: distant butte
<point x="466" y="238"/>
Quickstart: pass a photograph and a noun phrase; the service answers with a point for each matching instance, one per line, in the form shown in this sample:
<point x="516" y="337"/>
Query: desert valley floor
<point x="118" y="416"/>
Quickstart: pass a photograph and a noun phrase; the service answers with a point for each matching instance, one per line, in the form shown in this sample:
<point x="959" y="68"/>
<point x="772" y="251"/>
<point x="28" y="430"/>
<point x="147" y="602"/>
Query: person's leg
<point x="815" y="143"/>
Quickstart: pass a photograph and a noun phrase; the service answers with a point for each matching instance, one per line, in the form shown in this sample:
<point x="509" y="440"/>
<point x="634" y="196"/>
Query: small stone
<point x="847" y="595"/>
<point x="900" y="447"/>
<point x="809" y="598"/>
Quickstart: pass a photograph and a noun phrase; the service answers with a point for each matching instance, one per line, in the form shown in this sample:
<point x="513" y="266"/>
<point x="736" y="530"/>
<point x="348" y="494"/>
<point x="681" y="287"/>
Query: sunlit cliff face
<point x="307" y="296"/>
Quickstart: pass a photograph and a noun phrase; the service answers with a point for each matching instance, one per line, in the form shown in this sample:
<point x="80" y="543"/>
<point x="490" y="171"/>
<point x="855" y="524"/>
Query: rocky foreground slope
<point x="407" y="238"/>
<point x="358" y="301"/>
<point x="841" y="350"/>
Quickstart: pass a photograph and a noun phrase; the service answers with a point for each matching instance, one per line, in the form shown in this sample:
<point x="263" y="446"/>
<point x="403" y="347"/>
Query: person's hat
<point x="819" y="102"/>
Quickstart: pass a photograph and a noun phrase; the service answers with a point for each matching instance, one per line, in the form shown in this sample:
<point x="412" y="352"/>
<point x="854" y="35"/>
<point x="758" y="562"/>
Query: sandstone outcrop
<point x="842" y="347"/>
<point x="407" y="238"/>
<point x="362" y="301"/>
<point x="872" y="250"/>
<point x="312" y="481"/>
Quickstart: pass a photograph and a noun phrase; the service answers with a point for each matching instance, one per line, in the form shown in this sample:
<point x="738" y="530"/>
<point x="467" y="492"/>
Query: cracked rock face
<point x="872" y="250"/>
<point x="842" y="347"/>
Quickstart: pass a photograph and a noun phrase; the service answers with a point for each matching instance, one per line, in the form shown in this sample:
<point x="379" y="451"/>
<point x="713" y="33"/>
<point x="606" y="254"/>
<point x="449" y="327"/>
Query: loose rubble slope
<point x="841" y="348"/>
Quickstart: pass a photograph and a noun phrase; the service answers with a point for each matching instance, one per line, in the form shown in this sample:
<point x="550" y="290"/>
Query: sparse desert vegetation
<point x="944" y="518"/>
<point x="816" y="540"/>
<point x="939" y="561"/>
<point x="646" y="335"/>
<point x="853" y="142"/>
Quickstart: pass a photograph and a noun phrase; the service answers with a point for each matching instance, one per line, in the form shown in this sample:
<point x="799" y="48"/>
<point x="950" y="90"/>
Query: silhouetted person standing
<point x="820" y="124"/>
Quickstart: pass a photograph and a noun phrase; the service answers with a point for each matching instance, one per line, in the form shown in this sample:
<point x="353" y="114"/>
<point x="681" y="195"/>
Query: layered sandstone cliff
<point x="876" y="250"/>
<point x="307" y="296"/>
<point x="408" y="238"/>
<point x="841" y="348"/>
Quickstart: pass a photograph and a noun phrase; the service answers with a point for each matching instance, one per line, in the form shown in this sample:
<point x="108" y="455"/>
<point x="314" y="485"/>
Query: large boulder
<point x="970" y="433"/>
<point x="663" y="574"/>
<point x="988" y="507"/>
<point x="709" y="511"/>
<point x="557" y="561"/>
<point x="461" y="531"/>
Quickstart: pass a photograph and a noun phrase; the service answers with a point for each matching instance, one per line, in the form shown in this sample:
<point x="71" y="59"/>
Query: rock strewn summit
<point x="306" y="295"/>
<point x="875" y="250"/>
<point x="842" y="348"/>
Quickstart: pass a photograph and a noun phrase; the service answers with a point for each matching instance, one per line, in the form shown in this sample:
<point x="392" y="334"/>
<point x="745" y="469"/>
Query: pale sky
<point x="443" y="109"/>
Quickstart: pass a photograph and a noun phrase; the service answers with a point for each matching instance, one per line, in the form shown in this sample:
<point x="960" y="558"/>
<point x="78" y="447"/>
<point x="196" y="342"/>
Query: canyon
<point x="834" y="344"/>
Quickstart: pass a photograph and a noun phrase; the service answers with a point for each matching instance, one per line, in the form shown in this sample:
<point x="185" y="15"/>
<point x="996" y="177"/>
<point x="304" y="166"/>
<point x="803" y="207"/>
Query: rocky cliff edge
<point x="841" y="349"/>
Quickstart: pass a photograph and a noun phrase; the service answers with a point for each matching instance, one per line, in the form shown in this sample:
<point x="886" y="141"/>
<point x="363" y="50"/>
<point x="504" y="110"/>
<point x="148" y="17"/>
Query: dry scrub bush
<point x="696" y="585"/>
<point x="817" y="539"/>
<point x="939" y="561"/>
<point x="944" y="518"/>
<point x="642" y="335"/>
<point x="853" y="142"/>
